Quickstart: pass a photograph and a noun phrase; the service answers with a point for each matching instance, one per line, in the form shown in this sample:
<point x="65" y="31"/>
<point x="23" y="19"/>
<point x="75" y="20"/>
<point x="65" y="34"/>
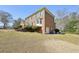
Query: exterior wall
<point x="43" y="21"/>
<point x="22" y="24"/>
<point x="32" y="19"/>
<point x="49" y="22"/>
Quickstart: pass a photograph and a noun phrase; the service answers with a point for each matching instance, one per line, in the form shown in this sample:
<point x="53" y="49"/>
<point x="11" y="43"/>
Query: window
<point x="39" y="21"/>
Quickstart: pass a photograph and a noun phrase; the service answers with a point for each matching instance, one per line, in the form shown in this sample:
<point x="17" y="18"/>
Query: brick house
<point x="43" y="18"/>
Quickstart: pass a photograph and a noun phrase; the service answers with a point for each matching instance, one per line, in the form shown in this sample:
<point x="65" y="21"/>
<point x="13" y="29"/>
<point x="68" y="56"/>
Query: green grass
<point x="23" y="41"/>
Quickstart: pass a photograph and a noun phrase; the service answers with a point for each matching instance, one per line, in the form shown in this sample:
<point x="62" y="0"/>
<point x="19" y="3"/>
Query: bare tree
<point x="4" y="18"/>
<point x="60" y="18"/>
<point x="61" y="14"/>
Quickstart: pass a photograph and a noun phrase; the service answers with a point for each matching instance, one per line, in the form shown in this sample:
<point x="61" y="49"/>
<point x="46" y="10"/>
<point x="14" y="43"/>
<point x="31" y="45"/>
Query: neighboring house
<point x="43" y="18"/>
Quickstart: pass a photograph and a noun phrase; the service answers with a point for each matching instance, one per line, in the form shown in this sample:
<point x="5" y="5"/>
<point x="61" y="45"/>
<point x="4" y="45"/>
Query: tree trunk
<point x="4" y="27"/>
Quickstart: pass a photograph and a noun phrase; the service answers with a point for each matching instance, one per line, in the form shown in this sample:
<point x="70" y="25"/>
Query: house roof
<point x="40" y="11"/>
<point x="49" y="12"/>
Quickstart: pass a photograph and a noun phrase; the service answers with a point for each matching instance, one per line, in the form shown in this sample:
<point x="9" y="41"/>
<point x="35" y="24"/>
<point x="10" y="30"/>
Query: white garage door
<point x="47" y="29"/>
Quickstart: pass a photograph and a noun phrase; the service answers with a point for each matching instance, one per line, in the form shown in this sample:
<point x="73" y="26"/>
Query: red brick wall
<point x="49" y="21"/>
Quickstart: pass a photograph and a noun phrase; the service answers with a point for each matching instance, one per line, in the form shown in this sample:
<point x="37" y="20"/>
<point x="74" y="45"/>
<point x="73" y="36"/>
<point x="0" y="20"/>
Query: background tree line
<point x="7" y="18"/>
<point x="68" y="22"/>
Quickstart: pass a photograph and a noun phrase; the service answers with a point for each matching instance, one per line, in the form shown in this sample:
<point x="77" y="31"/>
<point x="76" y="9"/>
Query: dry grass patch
<point x="36" y="42"/>
<point x="72" y="38"/>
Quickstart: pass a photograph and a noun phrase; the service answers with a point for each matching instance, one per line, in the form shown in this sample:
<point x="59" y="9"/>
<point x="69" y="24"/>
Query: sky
<point x="23" y="11"/>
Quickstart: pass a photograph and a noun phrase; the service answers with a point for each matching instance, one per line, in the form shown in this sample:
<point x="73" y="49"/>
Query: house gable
<point x="40" y="11"/>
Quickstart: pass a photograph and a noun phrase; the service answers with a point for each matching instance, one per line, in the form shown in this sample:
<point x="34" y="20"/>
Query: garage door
<point x="47" y="30"/>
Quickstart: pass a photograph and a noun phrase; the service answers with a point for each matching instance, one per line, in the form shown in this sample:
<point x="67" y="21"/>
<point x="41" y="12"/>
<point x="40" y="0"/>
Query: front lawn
<point x="33" y="42"/>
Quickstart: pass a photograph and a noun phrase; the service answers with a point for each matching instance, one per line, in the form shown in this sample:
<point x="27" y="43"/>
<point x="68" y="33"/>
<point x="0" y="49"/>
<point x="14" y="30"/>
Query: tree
<point x="66" y="21"/>
<point x="4" y="18"/>
<point x="17" y="23"/>
<point x="61" y="14"/>
<point x="72" y="26"/>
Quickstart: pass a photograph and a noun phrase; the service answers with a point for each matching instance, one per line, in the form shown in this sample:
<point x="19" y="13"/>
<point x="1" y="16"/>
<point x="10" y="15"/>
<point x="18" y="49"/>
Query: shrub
<point x="57" y="31"/>
<point x="31" y="28"/>
<point x="18" y="28"/>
